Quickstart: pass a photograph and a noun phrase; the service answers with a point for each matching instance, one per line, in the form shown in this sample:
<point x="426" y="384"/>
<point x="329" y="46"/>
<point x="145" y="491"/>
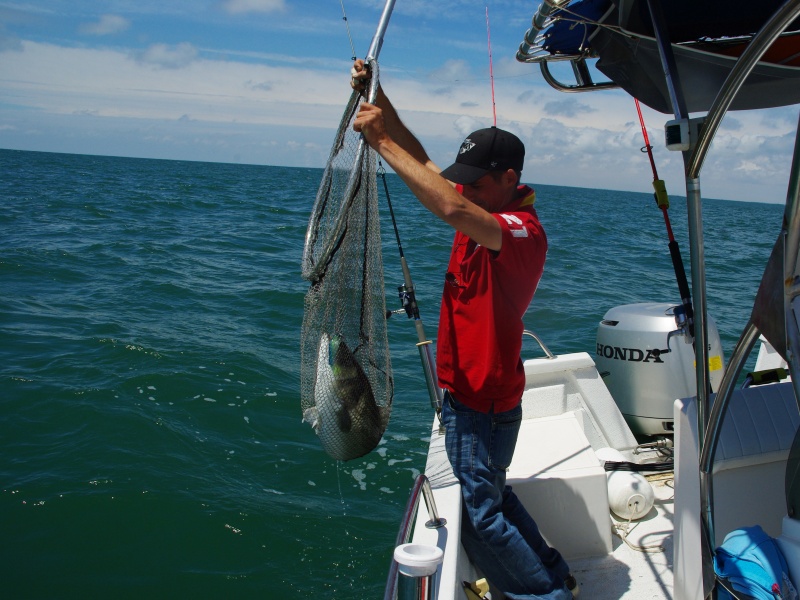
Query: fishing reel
<point x="408" y="302"/>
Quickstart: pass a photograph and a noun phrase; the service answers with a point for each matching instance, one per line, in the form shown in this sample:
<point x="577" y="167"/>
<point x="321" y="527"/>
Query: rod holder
<point x="429" y="369"/>
<point x="417" y="567"/>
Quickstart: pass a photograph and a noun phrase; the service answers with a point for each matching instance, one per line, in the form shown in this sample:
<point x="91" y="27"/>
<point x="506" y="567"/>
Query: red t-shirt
<point x="485" y="295"/>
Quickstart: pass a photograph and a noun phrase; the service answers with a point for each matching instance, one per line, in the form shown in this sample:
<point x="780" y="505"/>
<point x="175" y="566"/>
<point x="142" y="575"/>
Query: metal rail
<point x="545" y="349"/>
<point x="709" y="428"/>
<point x="752" y="54"/>
<point x="709" y="422"/>
<point x="583" y="78"/>
<point x="421" y="484"/>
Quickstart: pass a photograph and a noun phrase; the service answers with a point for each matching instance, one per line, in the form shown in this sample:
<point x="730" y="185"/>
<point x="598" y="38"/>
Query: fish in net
<point x="345" y="369"/>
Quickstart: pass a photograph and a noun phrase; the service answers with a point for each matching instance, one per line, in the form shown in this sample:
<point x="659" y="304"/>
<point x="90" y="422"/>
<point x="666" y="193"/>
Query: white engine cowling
<point x="645" y="368"/>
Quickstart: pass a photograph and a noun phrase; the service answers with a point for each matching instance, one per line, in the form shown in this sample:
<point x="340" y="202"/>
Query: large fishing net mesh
<point x="345" y="370"/>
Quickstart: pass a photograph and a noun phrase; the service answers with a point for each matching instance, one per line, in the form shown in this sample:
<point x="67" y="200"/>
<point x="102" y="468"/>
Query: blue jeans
<point x="499" y="535"/>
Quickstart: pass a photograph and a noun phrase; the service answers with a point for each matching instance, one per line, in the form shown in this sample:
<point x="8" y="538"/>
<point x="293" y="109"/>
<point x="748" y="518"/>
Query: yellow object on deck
<point x="476" y="590"/>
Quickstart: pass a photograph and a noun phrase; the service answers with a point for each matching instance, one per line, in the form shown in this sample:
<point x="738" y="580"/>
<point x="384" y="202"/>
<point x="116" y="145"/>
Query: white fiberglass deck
<point x="568" y="414"/>
<point x="627" y="573"/>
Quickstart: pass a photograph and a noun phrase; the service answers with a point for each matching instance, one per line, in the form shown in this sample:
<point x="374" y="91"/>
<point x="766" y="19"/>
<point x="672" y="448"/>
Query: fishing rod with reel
<point x="408" y="302"/>
<point x="684" y="314"/>
<point x="406" y="291"/>
<point x="633" y="338"/>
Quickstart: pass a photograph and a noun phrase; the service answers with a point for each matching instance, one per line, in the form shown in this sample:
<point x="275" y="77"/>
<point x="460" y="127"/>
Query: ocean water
<point x="150" y="311"/>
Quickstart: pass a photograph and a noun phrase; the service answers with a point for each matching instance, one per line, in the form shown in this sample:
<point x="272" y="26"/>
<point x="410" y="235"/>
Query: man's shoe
<point x="572" y="585"/>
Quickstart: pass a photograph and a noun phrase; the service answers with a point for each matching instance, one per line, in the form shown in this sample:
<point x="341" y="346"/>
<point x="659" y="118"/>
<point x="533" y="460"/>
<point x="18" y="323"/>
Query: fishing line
<point x="491" y="71"/>
<point x="341" y="495"/>
<point x="350" y="37"/>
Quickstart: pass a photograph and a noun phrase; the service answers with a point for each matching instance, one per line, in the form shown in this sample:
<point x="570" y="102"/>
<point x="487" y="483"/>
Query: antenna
<point x="491" y="73"/>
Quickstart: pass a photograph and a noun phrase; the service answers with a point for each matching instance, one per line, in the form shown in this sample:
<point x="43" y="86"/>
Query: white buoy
<point x="630" y="495"/>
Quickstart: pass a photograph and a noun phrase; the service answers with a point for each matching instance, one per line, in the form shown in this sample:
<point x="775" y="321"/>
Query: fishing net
<point x="345" y="370"/>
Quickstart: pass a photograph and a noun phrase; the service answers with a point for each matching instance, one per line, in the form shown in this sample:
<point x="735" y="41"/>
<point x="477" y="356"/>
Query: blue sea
<point x="150" y="422"/>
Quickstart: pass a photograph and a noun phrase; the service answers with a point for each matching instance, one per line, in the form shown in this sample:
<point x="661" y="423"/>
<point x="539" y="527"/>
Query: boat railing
<point x="421" y="489"/>
<point x="532" y="49"/>
<point x="777" y="273"/>
<point x="545" y="349"/>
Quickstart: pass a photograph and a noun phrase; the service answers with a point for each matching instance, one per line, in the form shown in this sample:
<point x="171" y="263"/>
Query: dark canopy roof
<point x="700" y="32"/>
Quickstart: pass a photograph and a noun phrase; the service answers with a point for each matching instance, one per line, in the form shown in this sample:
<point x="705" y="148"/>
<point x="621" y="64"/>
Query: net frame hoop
<point x="312" y="270"/>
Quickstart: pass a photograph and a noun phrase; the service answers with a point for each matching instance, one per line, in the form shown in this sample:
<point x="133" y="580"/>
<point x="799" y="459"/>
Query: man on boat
<point x="495" y="265"/>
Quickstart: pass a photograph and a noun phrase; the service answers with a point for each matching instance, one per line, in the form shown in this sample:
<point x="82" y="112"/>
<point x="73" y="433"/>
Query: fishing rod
<point x="350" y="37"/>
<point x="686" y="315"/>
<point x="408" y="301"/>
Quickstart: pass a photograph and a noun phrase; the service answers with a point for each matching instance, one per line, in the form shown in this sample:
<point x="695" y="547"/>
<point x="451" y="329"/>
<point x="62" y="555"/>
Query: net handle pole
<point x="377" y="40"/>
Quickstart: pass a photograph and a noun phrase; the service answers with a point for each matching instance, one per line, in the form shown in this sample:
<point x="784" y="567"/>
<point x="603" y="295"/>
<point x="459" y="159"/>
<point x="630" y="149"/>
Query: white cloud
<point x="168" y="57"/>
<point x="58" y="80"/>
<point x="452" y="71"/>
<point x="748" y="167"/>
<point x="567" y="107"/>
<point x="264" y="86"/>
<point x="466" y="125"/>
<point x="106" y="25"/>
<point x="248" y="6"/>
<point x="84" y="100"/>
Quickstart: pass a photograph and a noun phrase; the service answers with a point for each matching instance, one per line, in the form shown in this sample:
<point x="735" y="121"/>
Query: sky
<point x="266" y="82"/>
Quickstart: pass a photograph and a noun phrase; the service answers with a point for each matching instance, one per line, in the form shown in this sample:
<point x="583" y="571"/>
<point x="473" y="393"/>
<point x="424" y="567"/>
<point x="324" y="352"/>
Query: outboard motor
<point x="647" y="361"/>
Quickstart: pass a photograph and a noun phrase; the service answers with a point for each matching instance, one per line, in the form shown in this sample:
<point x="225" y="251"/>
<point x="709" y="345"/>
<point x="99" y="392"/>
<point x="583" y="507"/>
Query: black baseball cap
<point x="485" y="150"/>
